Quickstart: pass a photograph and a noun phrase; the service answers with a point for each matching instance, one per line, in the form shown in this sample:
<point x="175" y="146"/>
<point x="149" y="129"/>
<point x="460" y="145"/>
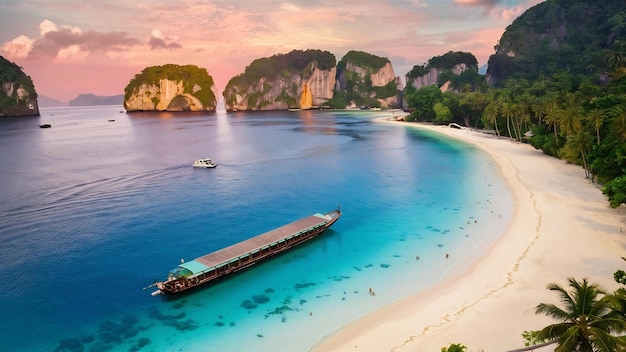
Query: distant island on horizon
<point x="82" y="100"/>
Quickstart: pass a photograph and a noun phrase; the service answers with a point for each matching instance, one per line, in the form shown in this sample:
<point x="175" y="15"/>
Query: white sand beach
<point x="562" y="227"/>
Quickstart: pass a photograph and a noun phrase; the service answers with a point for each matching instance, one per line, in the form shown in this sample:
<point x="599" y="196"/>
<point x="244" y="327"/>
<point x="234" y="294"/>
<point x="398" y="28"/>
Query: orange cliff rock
<point x="306" y="100"/>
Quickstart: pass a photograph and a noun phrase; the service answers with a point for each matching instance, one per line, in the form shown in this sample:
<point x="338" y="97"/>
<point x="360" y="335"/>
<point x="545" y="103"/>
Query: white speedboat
<point x="205" y="163"/>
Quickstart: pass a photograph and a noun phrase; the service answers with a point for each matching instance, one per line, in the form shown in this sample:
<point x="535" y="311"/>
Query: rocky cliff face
<point x="379" y="78"/>
<point x="171" y="88"/>
<point x="166" y="96"/>
<point x="20" y="101"/>
<point x="289" y="90"/>
<point x="432" y="77"/>
<point x="17" y="92"/>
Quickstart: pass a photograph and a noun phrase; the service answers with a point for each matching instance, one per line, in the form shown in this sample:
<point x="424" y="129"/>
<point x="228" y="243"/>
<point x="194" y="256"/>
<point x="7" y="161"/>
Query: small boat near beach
<point x="244" y="254"/>
<point x="204" y="163"/>
<point x="45" y="125"/>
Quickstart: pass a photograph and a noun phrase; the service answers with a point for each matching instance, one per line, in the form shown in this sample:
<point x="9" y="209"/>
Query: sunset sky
<point x="69" y="47"/>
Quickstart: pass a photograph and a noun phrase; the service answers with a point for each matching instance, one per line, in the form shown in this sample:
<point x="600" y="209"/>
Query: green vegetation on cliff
<point x="371" y="63"/>
<point x="11" y="73"/>
<point x="446" y="61"/>
<point x="191" y="75"/>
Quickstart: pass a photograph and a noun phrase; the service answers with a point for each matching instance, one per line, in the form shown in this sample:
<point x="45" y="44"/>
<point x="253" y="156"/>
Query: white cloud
<point x="47" y="26"/>
<point x="157" y="33"/>
<point x="18" y="47"/>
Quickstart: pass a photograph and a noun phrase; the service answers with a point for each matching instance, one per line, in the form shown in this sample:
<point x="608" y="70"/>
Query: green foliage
<point x="287" y="98"/>
<point x="615" y="190"/>
<point x="443" y="114"/>
<point x="620" y="275"/>
<point x="530" y="338"/>
<point x="423" y="102"/>
<point x="454" y="347"/>
<point x="453" y="58"/>
<point x="192" y="76"/>
<point x="543" y="139"/>
<point x="386" y="91"/>
<point x="589" y="320"/>
<point x="446" y="61"/>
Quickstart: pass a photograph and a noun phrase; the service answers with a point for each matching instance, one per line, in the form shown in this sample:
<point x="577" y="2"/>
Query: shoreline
<point x="562" y="227"/>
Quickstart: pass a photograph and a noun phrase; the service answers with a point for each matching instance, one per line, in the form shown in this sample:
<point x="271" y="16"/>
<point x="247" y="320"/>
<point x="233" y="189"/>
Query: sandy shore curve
<point x="562" y="227"/>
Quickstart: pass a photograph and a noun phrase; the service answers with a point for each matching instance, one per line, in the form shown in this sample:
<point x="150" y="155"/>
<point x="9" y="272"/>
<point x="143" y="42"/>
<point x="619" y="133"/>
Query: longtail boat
<point x="244" y="254"/>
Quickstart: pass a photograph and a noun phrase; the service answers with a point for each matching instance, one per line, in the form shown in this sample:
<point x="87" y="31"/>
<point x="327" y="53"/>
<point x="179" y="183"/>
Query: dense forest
<point x="558" y="82"/>
<point x="191" y="75"/>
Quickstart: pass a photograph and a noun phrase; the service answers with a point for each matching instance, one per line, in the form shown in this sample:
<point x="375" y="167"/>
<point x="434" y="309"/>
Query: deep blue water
<point x="92" y="211"/>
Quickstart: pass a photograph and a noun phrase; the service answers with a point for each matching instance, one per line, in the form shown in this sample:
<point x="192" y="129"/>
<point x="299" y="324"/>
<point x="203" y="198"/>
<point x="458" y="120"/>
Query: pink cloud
<point x="53" y="40"/>
<point x="159" y="43"/>
<point x="481" y="3"/>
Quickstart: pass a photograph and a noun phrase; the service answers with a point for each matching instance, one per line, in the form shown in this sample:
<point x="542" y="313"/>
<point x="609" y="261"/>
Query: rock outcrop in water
<point x="17" y="91"/>
<point x="171" y="88"/>
<point x="311" y="79"/>
<point x="366" y="79"/>
<point x="299" y="79"/>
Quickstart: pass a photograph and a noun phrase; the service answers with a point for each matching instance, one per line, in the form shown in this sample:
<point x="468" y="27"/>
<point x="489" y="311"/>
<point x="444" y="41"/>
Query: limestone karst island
<point x="171" y="88"/>
<point x="17" y="91"/>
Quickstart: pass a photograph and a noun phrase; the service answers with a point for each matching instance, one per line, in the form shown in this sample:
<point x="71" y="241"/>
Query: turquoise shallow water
<point x="92" y="211"/>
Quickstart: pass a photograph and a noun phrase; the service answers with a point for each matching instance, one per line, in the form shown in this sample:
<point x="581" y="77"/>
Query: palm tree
<point x="577" y="143"/>
<point x="569" y="118"/>
<point x="596" y="118"/>
<point x="587" y="322"/>
<point x="491" y="115"/>
<point x="551" y="117"/>
<point x="619" y="118"/>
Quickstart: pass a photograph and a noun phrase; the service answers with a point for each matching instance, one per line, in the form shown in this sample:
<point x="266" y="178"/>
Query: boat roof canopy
<point x="194" y="266"/>
<point x="243" y="249"/>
